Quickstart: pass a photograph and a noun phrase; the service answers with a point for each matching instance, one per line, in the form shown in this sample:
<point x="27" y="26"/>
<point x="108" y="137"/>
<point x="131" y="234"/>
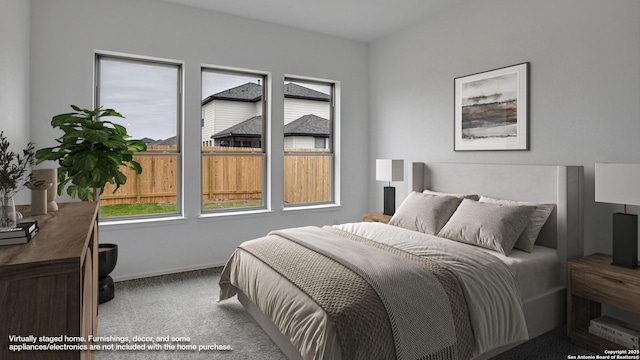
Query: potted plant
<point x="91" y="152"/>
<point x="13" y="176"/>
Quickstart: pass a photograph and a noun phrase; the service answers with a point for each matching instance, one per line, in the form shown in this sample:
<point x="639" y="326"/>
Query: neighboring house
<point x="232" y="117"/>
<point x="166" y="142"/>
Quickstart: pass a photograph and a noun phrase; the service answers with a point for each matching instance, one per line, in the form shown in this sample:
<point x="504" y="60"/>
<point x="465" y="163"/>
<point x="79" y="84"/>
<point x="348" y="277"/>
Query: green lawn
<point x="168" y="208"/>
<point x="136" y="209"/>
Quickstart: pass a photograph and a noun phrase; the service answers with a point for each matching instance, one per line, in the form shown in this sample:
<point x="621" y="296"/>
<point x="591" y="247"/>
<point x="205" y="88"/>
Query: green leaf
<point x="96" y="136"/>
<point x="90" y="152"/>
<point x="136" y="167"/>
<point x="121" y="179"/>
<point x="137" y="145"/>
<point x="63" y="119"/>
<point x="85" y="193"/>
<point x="87" y="161"/>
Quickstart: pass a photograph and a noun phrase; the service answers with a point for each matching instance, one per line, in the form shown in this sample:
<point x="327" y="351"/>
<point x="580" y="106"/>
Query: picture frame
<point x="491" y="109"/>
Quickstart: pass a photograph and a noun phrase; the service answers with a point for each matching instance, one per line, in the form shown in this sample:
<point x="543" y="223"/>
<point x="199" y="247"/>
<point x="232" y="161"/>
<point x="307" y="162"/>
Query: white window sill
<point x="125" y="223"/>
<point x="226" y="214"/>
<point x="311" y="208"/>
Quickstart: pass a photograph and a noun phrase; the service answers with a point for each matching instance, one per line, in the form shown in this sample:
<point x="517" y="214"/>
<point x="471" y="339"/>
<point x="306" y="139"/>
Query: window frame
<point x="179" y="151"/>
<point x="333" y="143"/>
<point x="264" y="150"/>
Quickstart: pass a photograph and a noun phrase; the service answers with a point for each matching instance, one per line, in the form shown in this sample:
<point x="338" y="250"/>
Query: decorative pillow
<point x="528" y="237"/>
<point x="460" y="196"/>
<point x="492" y="226"/>
<point x="424" y="212"/>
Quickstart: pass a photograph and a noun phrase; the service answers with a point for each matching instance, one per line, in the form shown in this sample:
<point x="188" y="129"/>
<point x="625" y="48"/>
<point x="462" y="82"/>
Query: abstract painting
<point x="491" y="110"/>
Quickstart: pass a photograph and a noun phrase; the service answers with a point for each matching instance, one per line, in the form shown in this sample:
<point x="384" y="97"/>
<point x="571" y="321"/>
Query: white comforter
<point x="489" y="286"/>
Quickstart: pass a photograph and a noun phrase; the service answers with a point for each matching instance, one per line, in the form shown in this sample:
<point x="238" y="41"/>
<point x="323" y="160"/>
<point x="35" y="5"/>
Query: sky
<point x="215" y="82"/>
<point x="146" y="94"/>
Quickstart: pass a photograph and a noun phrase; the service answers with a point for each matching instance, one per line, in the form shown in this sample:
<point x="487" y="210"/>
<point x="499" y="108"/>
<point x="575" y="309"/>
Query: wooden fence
<point x="224" y="177"/>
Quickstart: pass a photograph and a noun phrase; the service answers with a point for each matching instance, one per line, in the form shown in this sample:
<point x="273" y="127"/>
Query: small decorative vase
<point x="39" y="198"/>
<point x="8" y="216"/>
<point x="48" y="176"/>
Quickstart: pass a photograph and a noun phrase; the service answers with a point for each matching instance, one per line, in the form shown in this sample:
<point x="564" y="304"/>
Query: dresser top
<point x="63" y="237"/>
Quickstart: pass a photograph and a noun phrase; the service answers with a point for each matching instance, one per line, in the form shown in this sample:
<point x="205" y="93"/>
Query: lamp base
<point x="625" y="240"/>
<point x="389" y="200"/>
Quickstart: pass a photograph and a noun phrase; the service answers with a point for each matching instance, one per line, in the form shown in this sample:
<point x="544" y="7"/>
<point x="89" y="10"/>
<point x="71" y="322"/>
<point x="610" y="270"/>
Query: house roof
<point x="252" y="92"/>
<point x="168" y="141"/>
<point x="296" y="91"/>
<point x="249" y="128"/>
<point x="249" y="92"/>
<point x="307" y="125"/>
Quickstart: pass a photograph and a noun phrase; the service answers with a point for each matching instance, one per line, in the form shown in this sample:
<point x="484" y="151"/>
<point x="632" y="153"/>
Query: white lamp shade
<point x="618" y="183"/>
<point x="389" y="170"/>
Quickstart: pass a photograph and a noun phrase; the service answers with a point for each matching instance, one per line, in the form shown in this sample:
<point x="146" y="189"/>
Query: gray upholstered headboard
<point x="561" y="185"/>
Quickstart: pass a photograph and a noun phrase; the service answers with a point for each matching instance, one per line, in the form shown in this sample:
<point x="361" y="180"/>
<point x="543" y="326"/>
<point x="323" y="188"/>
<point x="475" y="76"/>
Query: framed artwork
<point x="491" y="110"/>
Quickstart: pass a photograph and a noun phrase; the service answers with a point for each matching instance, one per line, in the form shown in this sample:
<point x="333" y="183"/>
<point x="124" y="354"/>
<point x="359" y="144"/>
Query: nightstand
<point x="593" y="281"/>
<point x="376" y="217"/>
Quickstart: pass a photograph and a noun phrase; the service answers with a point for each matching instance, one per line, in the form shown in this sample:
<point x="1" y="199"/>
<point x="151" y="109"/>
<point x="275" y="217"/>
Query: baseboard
<point x="165" y="272"/>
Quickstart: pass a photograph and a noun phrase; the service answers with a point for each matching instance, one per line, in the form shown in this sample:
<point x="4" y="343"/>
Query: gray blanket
<point x="406" y="307"/>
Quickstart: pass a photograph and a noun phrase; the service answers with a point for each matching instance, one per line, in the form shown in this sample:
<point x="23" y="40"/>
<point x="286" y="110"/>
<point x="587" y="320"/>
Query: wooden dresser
<point x="49" y="286"/>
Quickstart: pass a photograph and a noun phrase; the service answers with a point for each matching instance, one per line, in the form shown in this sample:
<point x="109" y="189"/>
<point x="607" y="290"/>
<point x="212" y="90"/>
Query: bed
<point x="507" y="295"/>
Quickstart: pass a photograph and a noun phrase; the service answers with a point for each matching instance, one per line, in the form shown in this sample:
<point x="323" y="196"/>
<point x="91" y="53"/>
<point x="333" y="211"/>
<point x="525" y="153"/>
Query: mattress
<point x="536" y="272"/>
<point x="308" y="326"/>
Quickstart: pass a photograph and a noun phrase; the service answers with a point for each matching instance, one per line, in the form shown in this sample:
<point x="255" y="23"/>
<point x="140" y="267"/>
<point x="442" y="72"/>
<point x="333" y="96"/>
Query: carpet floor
<point x="172" y="316"/>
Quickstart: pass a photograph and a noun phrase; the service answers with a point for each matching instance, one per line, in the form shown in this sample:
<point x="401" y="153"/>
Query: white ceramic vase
<point x="48" y="176"/>
<point x="39" y="201"/>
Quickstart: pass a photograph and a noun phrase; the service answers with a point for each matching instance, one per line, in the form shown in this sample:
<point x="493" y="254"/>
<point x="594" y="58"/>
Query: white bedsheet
<point x="535" y="272"/>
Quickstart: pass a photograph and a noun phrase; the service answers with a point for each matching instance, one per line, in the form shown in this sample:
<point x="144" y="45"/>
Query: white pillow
<point x="460" y="196"/>
<point x="528" y="237"/>
<point x="492" y="226"/>
<point x="424" y="212"/>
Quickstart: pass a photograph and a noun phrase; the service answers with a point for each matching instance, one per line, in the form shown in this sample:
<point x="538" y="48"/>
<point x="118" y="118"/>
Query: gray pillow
<point x="530" y="233"/>
<point x="461" y="196"/>
<point x="491" y="226"/>
<point x="424" y="212"/>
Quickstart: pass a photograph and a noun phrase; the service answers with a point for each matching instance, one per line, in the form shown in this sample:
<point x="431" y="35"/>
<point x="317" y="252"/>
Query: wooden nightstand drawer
<point x="593" y="281"/>
<point x="376" y="217"/>
<point x="606" y="289"/>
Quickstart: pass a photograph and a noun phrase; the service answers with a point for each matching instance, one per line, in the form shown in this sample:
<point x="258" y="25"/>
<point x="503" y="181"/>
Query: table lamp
<point x="389" y="170"/>
<point x="620" y="184"/>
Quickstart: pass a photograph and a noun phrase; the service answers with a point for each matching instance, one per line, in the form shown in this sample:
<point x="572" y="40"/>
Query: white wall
<point x="64" y="36"/>
<point x="14" y="77"/>
<point x="584" y="88"/>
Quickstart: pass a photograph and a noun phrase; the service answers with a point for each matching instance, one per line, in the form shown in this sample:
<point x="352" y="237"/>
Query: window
<point x="233" y="134"/>
<point x="147" y="94"/>
<point x="308" y="142"/>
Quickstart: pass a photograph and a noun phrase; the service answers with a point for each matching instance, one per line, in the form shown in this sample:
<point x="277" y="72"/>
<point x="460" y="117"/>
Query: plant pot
<point x="107" y="259"/>
<point x="106" y="290"/>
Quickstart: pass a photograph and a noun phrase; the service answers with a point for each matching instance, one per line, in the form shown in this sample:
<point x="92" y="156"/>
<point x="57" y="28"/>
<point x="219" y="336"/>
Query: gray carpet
<point x="183" y="305"/>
